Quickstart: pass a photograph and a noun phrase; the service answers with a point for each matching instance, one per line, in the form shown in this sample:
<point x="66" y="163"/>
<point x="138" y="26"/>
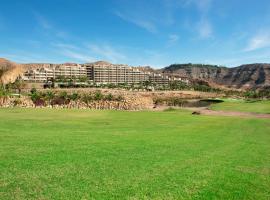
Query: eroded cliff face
<point x="245" y="76"/>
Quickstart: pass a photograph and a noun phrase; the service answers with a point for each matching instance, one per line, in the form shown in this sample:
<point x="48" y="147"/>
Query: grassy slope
<point x="62" y="154"/>
<point x="243" y="106"/>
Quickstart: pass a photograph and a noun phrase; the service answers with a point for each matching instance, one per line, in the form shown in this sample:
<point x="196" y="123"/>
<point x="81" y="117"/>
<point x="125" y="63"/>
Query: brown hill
<point x="9" y="71"/>
<point x="244" y="77"/>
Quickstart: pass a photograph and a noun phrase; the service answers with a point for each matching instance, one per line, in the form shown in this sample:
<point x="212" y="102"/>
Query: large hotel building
<point x="98" y="72"/>
<point x="44" y="72"/>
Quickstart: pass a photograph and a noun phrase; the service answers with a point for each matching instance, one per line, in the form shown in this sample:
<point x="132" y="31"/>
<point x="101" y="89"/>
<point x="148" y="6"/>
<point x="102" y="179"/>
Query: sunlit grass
<point x="243" y="106"/>
<point x="80" y="154"/>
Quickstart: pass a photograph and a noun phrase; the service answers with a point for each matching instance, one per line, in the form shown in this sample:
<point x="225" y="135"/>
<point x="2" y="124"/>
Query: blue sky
<point x="141" y="32"/>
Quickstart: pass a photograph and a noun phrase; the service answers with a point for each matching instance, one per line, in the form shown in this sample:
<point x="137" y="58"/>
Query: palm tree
<point x="74" y="96"/>
<point x="98" y="95"/>
<point x="64" y="96"/>
<point x="50" y="96"/>
<point x="4" y="93"/>
<point x="109" y="97"/>
<point x="19" y="84"/>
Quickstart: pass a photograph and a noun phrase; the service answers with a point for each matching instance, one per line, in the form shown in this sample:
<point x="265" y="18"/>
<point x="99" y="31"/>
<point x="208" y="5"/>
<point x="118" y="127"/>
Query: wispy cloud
<point x="262" y="57"/>
<point x="138" y="20"/>
<point x="64" y="45"/>
<point x="259" y="41"/>
<point x="202" y="5"/>
<point x="24" y="57"/>
<point x="203" y="26"/>
<point x="149" y="15"/>
<point x="48" y="27"/>
<point x="205" y="29"/>
<point x="89" y="52"/>
<point x="42" y="21"/>
<point x="77" y="55"/>
<point x="173" y="39"/>
<point x="106" y="52"/>
<point x="73" y="52"/>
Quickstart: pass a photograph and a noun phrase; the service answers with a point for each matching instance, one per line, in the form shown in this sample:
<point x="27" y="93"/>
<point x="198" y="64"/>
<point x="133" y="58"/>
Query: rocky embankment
<point x="130" y="100"/>
<point x="126" y="104"/>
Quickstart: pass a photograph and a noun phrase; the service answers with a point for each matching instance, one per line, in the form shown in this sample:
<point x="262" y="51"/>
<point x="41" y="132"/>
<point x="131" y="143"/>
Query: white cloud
<point x="259" y="41"/>
<point x="137" y="20"/>
<point x="107" y="52"/>
<point x="205" y="29"/>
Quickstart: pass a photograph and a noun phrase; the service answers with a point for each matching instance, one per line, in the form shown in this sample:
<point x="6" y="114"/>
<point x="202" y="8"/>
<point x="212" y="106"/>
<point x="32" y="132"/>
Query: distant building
<point x="46" y="72"/>
<point x="114" y="74"/>
<point x="106" y="73"/>
<point x="98" y="72"/>
<point x="159" y="79"/>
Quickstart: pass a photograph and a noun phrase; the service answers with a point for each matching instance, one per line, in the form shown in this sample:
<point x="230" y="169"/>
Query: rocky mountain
<point x="246" y="76"/>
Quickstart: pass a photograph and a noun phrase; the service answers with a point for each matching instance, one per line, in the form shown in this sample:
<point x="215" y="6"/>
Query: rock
<point x="196" y="113"/>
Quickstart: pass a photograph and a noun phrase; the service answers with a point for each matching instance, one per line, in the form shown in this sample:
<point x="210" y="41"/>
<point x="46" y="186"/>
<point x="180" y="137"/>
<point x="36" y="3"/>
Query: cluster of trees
<point x="174" y="85"/>
<point x="72" y="79"/>
<point x="82" y="82"/>
<point x="67" y="82"/>
<point x="63" y="98"/>
<point x="197" y="86"/>
<point x="17" y="86"/>
<point x="260" y="94"/>
<point x="3" y="91"/>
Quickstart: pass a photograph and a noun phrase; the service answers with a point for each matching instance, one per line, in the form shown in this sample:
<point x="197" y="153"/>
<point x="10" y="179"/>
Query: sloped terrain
<point x="245" y="76"/>
<point x="9" y="71"/>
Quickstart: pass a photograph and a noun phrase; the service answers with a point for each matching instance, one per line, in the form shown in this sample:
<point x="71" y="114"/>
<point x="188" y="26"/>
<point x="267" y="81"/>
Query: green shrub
<point x="98" y="96"/>
<point x="109" y="97"/>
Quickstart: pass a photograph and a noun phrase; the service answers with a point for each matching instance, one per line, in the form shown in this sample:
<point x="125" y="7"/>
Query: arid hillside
<point x="245" y="77"/>
<point x="9" y="71"/>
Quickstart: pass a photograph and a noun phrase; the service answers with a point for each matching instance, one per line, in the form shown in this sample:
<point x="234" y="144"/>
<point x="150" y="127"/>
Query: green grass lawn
<point x="83" y="154"/>
<point x="243" y="106"/>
